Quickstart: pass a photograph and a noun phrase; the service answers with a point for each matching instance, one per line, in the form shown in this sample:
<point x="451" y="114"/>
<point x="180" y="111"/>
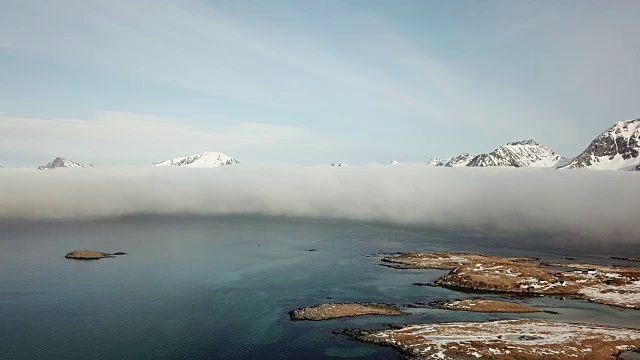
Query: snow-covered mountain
<point x="456" y="161"/>
<point x="460" y="160"/>
<point x="525" y="153"/>
<point x="436" y="161"/>
<point x="339" y="164"/>
<point x="616" y="149"/>
<point x="208" y="159"/>
<point x="61" y="163"/>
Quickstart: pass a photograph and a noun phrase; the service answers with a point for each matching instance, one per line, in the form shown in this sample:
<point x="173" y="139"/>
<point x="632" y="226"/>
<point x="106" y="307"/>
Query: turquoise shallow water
<point x="199" y="288"/>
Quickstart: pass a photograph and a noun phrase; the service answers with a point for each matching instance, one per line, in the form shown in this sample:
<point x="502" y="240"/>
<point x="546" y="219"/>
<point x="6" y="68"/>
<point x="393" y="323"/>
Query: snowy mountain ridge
<point x="459" y="160"/>
<point x="456" y="161"/>
<point x="207" y="159"/>
<point x="61" y="163"/>
<point x="436" y="161"/>
<point x="524" y="153"/>
<point x="617" y="148"/>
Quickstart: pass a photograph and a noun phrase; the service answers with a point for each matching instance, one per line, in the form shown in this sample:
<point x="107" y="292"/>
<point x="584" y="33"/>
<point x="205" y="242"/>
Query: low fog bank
<point x="591" y="204"/>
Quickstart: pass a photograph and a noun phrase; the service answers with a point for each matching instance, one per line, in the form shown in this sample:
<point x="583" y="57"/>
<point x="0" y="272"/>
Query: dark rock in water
<point x="311" y="250"/>
<point x="530" y="338"/>
<point x="615" y="282"/>
<point x="391" y="326"/>
<point x="119" y="253"/>
<point x="425" y="284"/>
<point x="626" y="258"/>
<point x="397" y="266"/>
<point x="418" y="305"/>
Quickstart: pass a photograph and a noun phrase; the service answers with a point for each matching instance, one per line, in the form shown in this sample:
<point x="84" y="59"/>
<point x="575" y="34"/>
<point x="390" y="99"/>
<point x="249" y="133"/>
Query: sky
<point x="119" y="82"/>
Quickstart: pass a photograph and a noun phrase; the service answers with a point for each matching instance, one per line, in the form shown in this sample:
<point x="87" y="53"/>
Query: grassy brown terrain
<point x="87" y="255"/>
<point x="616" y="286"/>
<point x="338" y="310"/>
<point x="486" y="305"/>
<point x="506" y="339"/>
<point x="444" y="261"/>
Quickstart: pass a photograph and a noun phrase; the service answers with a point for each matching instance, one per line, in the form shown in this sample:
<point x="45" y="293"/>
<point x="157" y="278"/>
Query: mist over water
<point x="599" y="205"/>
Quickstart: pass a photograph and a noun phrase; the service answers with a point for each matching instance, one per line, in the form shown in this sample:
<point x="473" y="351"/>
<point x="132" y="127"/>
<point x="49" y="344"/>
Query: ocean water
<point x="209" y="288"/>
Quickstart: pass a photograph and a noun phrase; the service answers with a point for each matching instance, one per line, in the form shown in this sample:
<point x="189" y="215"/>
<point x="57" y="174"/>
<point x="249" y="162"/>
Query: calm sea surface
<point x="205" y="288"/>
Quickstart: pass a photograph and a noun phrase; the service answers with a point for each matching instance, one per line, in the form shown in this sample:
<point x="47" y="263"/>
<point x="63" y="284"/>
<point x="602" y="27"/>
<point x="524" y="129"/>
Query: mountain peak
<point x="436" y="161"/>
<point x="524" y="142"/>
<point x="59" y="162"/>
<point x="523" y="153"/>
<point x="207" y="159"/>
<point x="459" y="160"/>
<point x="618" y="147"/>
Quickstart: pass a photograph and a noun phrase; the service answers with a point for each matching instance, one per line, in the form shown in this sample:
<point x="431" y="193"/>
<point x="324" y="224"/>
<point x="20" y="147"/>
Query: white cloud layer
<point x="592" y="205"/>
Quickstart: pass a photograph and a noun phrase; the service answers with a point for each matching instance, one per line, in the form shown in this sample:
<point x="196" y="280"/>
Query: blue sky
<point x="310" y="82"/>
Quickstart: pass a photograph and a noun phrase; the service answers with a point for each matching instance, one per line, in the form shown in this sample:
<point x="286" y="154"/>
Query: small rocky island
<point x="486" y="305"/>
<point x="338" y="310"/>
<point x="506" y="339"/>
<point x="90" y="255"/>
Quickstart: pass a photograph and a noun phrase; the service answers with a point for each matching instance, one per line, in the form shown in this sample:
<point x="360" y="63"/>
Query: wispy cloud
<point x="195" y="46"/>
<point x="559" y="75"/>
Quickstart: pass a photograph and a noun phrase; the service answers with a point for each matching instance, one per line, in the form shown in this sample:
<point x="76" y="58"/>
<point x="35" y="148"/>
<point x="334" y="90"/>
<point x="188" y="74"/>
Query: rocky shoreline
<point x="505" y="339"/>
<point x="615" y="286"/>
